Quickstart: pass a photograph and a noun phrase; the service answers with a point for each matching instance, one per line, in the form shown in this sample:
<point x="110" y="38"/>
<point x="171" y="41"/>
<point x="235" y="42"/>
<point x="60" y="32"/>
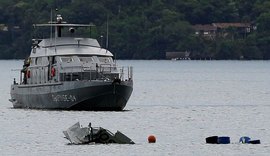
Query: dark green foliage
<point x="144" y="29"/>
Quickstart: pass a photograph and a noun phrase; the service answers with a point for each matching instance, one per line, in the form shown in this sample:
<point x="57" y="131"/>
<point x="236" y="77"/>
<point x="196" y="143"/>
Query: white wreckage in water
<point x="85" y="135"/>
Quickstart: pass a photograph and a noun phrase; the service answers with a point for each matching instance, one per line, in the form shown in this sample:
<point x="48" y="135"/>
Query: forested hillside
<point x="144" y="29"/>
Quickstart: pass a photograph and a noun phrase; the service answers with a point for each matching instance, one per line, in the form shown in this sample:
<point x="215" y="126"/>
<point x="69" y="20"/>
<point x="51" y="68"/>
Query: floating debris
<point x="85" y="135"/>
<point x="244" y="140"/>
<point x="226" y="140"/>
<point x="247" y="140"/>
<point x="255" y="141"/>
<point x="212" y="140"/>
<point x="218" y="140"/>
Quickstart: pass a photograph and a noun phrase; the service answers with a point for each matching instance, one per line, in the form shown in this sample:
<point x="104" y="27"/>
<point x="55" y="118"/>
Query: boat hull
<point x="73" y="95"/>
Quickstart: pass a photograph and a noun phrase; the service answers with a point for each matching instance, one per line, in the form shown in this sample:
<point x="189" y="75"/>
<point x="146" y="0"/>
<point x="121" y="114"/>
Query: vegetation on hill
<point x="144" y="29"/>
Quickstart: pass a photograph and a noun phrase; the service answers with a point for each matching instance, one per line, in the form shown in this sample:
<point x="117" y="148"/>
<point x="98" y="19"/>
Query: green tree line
<point x="143" y="29"/>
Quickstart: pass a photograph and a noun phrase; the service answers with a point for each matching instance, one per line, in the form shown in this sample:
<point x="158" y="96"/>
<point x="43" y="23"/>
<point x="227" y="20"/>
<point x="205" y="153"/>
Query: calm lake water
<point x="180" y="102"/>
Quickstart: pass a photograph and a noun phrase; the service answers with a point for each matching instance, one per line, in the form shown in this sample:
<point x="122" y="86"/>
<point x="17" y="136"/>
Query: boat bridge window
<point x="66" y="59"/>
<point x="105" y="59"/>
<point x="39" y="61"/>
<point x="35" y="61"/>
<point x="86" y="59"/>
<point x="45" y="60"/>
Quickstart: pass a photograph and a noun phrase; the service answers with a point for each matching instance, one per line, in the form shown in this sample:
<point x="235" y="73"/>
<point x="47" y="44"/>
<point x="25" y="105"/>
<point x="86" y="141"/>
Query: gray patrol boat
<point x="71" y="73"/>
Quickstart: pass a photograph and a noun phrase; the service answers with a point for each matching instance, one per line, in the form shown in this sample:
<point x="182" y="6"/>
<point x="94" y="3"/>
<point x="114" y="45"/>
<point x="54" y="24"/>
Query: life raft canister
<point x="28" y="73"/>
<point x="53" y="72"/>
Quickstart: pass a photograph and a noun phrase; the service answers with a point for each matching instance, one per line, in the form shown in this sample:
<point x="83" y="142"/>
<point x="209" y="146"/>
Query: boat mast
<point x="107" y="35"/>
<point x="59" y="21"/>
<point x="51" y="27"/>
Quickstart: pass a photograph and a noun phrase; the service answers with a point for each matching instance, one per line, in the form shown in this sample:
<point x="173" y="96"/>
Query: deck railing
<point x="42" y="75"/>
<point x="106" y="73"/>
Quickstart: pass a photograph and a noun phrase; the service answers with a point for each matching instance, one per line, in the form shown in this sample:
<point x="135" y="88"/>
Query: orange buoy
<point x="151" y="139"/>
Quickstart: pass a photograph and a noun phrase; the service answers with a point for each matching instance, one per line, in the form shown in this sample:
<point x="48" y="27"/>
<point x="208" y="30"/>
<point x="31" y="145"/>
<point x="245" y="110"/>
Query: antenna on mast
<point x="51" y="26"/>
<point x="107" y="35"/>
